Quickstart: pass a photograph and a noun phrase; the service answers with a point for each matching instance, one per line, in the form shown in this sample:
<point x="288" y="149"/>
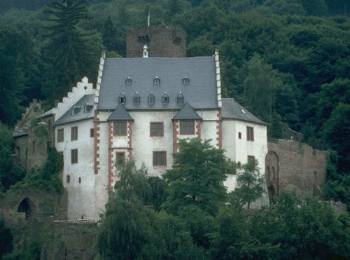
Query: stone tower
<point x="161" y="42"/>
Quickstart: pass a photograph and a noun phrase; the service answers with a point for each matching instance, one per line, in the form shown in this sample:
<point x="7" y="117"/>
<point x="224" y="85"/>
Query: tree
<point x="260" y="87"/>
<point x="10" y="173"/>
<point x="250" y="184"/>
<point x="197" y="177"/>
<point x="6" y="240"/>
<point x="69" y="54"/>
<point x="109" y="35"/>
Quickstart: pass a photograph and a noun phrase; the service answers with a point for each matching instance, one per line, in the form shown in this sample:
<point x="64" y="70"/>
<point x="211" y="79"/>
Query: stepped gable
<point x="120" y="113"/>
<point x="158" y="79"/>
<point x="83" y="109"/>
<point x="187" y="113"/>
<point x="232" y="110"/>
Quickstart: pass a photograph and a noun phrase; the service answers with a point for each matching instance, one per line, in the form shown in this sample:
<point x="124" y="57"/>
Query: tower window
<point x="122" y="99"/>
<point x="180" y="99"/>
<point x="60" y="135"/>
<point x="137" y="100"/>
<point x="151" y="100"/>
<point x="128" y="82"/>
<point x="79" y="180"/>
<point x="165" y="99"/>
<point x="74" y="156"/>
<point x="120" y="128"/>
<point x="186" y="81"/>
<point x="157" y="129"/>
<point x="67" y="178"/>
<point x="250" y="133"/>
<point x="156" y="81"/>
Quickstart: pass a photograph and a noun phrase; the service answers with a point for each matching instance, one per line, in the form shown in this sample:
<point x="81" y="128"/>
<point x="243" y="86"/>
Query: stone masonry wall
<point x="294" y="166"/>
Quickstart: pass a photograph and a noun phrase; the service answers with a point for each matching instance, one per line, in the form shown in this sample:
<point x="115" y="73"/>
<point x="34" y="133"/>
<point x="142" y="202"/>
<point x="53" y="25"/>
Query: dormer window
<point x="156" y="81"/>
<point x="186" y="81"/>
<point x="122" y="99"/>
<point x="76" y="110"/>
<point x="136" y="100"/>
<point x="151" y="100"/>
<point x="88" y="108"/>
<point x="165" y="99"/>
<point x="180" y="99"/>
<point x="128" y="81"/>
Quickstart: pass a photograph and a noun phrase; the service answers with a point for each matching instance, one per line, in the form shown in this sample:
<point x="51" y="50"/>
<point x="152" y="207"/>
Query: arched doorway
<point x="272" y="174"/>
<point x="27" y="207"/>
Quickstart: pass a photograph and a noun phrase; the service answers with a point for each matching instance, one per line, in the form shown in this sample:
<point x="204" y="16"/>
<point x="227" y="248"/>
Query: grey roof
<point x="76" y="114"/>
<point x="187" y="113"/>
<point x="232" y="110"/>
<point x="120" y="113"/>
<point x="200" y="93"/>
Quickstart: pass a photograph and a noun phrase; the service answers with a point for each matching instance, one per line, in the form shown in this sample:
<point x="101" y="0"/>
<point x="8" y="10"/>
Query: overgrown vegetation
<point x="185" y="227"/>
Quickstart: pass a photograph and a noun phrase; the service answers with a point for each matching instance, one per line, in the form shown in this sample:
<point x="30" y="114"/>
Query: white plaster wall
<point x="81" y="199"/>
<point x="238" y="149"/>
<point x="143" y="144"/>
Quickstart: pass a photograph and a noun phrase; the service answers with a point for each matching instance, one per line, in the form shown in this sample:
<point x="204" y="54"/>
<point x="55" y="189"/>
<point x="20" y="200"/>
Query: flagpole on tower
<point x="149" y="18"/>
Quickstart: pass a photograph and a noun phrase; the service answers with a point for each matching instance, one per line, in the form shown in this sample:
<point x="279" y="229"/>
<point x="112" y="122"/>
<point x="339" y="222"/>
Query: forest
<point x="287" y="61"/>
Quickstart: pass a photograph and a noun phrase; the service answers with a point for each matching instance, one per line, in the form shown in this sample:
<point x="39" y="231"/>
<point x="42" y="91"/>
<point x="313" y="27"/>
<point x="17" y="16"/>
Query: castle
<point x="140" y="108"/>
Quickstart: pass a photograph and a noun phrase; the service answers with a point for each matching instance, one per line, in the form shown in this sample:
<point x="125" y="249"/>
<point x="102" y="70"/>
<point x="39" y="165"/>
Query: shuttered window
<point x="250" y="133"/>
<point x="159" y="158"/>
<point x="120" y="128"/>
<point x="187" y="127"/>
<point x="157" y="129"/>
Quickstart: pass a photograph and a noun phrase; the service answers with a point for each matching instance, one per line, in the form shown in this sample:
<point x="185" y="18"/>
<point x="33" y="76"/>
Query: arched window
<point x="186" y="81"/>
<point x="180" y="99"/>
<point x="156" y="81"/>
<point x="165" y="99"/>
<point x="137" y="100"/>
<point x="122" y="99"/>
<point x="128" y="81"/>
<point x="151" y="100"/>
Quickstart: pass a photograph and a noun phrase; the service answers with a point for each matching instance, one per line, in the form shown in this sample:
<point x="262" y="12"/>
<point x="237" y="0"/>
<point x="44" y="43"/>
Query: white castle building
<point x="139" y="109"/>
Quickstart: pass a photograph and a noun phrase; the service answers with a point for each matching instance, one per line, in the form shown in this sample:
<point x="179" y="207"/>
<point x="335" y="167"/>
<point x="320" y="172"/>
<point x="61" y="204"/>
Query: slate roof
<point x="232" y="110"/>
<point x="200" y="93"/>
<point x="76" y="114"/>
<point x="187" y="113"/>
<point x="120" y="113"/>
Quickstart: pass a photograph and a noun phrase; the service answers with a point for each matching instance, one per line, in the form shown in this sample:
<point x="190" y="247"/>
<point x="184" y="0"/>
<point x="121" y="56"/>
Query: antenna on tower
<point x="149" y="17"/>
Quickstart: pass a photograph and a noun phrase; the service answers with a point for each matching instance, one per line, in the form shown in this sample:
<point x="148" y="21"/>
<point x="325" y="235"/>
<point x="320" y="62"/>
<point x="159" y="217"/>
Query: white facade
<point x="93" y="176"/>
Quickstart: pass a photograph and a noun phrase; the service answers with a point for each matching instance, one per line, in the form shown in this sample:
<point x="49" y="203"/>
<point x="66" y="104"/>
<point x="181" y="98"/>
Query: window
<point x="187" y="127"/>
<point x="92" y="132"/>
<point x="79" y="180"/>
<point x="136" y="100"/>
<point x="33" y="147"/>
<point x="74" y="133"/>
<point x="157" y="129"/>
<point x="180" y="100"/>
<point x="186" y="81"/>
<point x="120" y="158"/>
<point x="60" y="135"/>
<point x="128" y="81"/>
<point x="122" y="99"/>
<point x="67" y="178"/>
<point x="251" y="159"/>
<point x="156" y="81"/>
<point x="88" y="108"/>
<point x="165" y="99"/>
<point x="250" y="133"/>
<point x="76" y="110"/>
<point x="120" y="128"/>
<point x="151" y="100"/>
<point x="74" y="156"/>
<point x="239" y="135"/>
<point x="159" y="158"/>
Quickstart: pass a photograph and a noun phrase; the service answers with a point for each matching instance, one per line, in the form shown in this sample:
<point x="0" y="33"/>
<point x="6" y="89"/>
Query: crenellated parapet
<point x="84" y="87"/>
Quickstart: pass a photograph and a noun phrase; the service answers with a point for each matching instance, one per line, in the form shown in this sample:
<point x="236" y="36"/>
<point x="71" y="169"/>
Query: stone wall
<point x="294" y="166"/>
<point x="161" y="42"/>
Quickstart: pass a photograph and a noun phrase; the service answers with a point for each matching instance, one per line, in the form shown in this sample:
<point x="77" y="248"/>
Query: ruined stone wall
<point x="294" y="166"/>
<point x="161" y="42"/>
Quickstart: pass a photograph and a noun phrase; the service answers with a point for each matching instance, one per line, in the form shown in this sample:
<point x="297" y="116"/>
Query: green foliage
<point x="197" y="177"/>
<point x="46" y="178"/>
<point x="6" y="240"/>
<point x="250" y="184"/>
<point x="10" y="173"/>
